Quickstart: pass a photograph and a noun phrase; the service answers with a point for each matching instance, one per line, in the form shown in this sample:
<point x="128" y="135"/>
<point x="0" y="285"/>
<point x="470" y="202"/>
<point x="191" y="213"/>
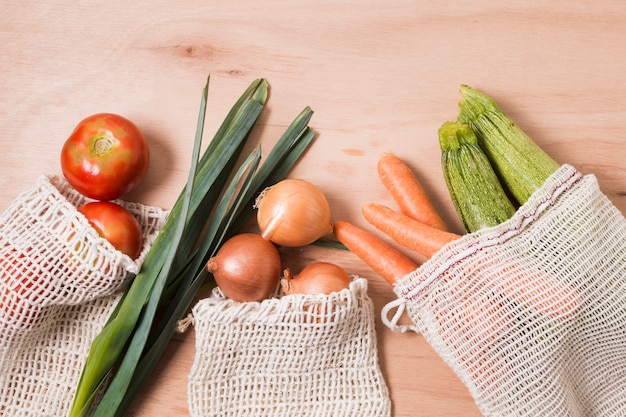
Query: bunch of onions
<point x="316" y="278"/>
<point x="293" y="212"/>
<point x="246" y="267"/>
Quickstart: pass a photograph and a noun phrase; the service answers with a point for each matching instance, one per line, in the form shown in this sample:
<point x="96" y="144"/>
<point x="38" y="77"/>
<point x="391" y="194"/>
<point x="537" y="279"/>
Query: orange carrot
<point x="384" y="259"/>
<point x="407" y="191"/>
<point x="526" y="286"/>
<point x="480" y="319"/>
<point x="408" y="232"/>
<point x="536" y="289"/>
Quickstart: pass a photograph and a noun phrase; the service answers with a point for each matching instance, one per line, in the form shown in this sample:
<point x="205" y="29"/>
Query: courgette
<point x="521" y="165"/>
<point x="474" y="188"/>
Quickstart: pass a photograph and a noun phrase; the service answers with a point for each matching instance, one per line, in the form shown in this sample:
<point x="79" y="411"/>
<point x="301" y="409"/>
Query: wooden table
<point x="381" y="76"/>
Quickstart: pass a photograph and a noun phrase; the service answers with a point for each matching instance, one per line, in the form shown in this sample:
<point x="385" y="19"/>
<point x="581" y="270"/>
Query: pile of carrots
<point x="416" y="226"/>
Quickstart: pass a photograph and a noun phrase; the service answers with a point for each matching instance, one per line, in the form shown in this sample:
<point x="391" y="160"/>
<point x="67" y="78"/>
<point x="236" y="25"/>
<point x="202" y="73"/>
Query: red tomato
<point x="115" y="224"/>
<point x="105" y="157"/>
<point x="16" y="309"/>
<point x="18" y="276"/>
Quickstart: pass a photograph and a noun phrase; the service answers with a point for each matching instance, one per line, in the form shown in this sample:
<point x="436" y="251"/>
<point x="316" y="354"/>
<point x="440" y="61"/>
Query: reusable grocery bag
<point x="294" y="355"/>
<point x="531" y="314"/>
<point x="59" y="283"/>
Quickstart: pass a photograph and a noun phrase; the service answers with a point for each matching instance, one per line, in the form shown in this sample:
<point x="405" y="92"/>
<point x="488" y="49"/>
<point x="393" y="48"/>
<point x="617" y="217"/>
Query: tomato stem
<point x="102" y="145"/>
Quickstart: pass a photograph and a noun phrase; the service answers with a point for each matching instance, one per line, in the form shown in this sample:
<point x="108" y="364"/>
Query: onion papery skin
<point x="293" y="213"/>
<point x="317" y="278"/>
<point x="246" y="268"/>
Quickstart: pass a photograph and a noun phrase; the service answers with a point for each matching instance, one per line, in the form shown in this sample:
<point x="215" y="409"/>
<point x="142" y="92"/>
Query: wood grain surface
<point x="380" y="75"/>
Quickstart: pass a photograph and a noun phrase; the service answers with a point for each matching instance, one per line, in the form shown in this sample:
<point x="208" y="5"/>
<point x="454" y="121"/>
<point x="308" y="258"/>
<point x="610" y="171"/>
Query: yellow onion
<point x="246" y="267"/>
<point x="316" y="278"/>
<point x="293" y="212"/>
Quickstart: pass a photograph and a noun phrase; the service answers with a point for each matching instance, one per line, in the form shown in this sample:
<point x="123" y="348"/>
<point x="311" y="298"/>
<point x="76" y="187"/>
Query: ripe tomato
<point x="115" y="224"/>
<point x="18" y="277"/>
<point x="16" y="310"/>
<point x="105" y="157"/>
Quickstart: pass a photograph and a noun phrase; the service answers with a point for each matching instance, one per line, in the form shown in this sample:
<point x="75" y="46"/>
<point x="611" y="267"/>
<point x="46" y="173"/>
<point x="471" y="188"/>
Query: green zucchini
<point x="521" y="165"/>
<point x="474" y="188"/>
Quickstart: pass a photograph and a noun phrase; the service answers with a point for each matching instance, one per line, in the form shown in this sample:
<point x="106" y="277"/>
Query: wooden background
<point x="380" y="75"/>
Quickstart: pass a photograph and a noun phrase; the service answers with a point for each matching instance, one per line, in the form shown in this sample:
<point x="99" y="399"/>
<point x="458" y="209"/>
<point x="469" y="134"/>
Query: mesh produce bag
<point x="531" y="314"/>
<point x="59" y="283"/>
<point x="290" y="356"/>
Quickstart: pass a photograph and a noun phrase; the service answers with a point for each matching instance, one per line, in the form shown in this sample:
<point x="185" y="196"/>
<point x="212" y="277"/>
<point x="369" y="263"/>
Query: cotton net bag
<point x="59" y="283"/>
<point x="531" y="314"/>
<point x="295" y="355"/>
